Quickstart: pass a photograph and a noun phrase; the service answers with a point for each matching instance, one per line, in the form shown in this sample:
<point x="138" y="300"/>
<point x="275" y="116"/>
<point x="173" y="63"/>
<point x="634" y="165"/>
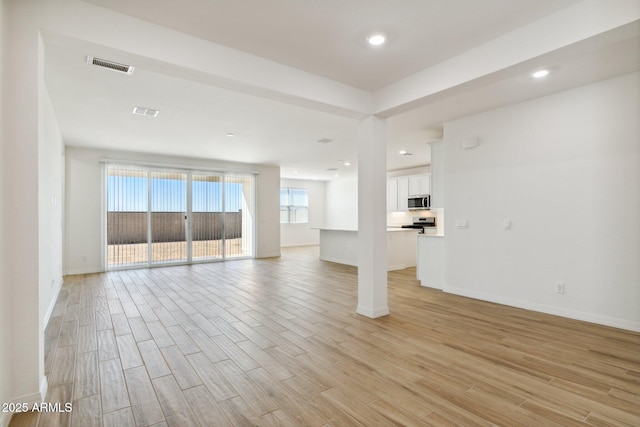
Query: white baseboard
<point x="398" y="267"/>
<point x="269" y="255"/>
<point x="52" y="303"/>
<point x="87" y="270"/>
<point x="372" y="312"/>
<point x="293" y="245"/>
<point x="599" y="319"/>
<point x="339" y="260"/>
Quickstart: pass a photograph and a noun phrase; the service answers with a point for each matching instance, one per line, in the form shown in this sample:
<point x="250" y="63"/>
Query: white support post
<point x="372" y="218"/>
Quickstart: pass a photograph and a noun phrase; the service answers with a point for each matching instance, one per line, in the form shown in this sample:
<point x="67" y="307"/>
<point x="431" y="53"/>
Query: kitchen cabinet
<point x="419" y="185"/>
<point x="392" y="195"/>
<point x="399" y="189"/>
<point x="403" y="194"/>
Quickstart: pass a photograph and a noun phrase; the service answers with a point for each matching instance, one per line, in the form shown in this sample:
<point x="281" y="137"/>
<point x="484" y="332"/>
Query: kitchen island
<point x="341" y="246"/>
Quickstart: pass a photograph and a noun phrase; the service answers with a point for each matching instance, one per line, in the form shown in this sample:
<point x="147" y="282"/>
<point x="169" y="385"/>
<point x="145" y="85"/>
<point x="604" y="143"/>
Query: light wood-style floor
<point x="276" y="343"/>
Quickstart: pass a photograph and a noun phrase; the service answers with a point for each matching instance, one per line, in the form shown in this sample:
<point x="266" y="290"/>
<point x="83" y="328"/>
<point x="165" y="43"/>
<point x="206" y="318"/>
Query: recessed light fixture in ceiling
<point x="143" y="111"/>
<point x="110" y="65"/>
<point x="540" y="74"/>
<point x="376" y="39"/>
<point x="325" y="140"/>
<point x="347" y="163"/>
<point x="405" y="153"/>
<point x="231" y="134"/>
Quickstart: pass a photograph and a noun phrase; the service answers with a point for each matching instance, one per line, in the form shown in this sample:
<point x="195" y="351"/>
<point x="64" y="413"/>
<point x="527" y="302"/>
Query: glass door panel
<point x="127" y="216"/>
<point x="207" y="226"/>
<point x="168" y="194"/>
<point x="238" y="216"/>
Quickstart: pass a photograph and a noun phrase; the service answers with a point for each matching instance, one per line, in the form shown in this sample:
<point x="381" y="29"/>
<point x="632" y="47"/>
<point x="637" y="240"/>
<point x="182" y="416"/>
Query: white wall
<point x="50" y="201"/>
<point x="305" y="234"/>
<point x="84" y="203"/>
<point x="21" y="58"/>
<point x="341" y="206"/>
<point x="5" y="288"/>
<point x="565" y="169"/>
<point x="30" y="214"/>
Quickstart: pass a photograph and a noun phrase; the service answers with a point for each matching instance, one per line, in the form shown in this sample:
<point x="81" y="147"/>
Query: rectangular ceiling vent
<point x="143" y="111"/>
<point x="110" y="65"/>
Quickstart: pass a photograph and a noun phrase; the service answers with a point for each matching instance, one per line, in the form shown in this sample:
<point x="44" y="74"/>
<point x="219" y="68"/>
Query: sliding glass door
<point x="159" y="216"/>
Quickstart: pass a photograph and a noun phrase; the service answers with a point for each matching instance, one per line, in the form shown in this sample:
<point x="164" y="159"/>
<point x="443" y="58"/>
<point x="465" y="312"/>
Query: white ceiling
<point x="93" y="105"/>
<point x="328" y="37"/>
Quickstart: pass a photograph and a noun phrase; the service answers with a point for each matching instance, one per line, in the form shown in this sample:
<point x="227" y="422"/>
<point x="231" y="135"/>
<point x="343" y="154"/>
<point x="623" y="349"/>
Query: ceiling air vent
<point x="121" y="68"/>
<point x="143" y="111"/>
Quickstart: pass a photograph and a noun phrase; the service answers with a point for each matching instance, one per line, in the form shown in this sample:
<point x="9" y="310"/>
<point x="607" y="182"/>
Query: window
<point x="294" y="206"/>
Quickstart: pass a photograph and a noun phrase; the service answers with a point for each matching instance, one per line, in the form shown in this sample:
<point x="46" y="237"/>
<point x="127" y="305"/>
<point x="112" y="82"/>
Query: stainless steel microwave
<point x="420" y="202"/>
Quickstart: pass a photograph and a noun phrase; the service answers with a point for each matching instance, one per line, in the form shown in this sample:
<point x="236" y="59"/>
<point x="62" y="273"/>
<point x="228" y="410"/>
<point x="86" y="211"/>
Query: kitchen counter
<point x="341" y="246"/>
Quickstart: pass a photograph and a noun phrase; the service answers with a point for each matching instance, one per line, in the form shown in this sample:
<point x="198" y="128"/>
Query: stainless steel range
<point x="422" y="222"/>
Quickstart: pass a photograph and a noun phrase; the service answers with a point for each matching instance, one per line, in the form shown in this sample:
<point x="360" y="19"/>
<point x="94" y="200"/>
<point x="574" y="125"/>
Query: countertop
<point x="389" y="228"/>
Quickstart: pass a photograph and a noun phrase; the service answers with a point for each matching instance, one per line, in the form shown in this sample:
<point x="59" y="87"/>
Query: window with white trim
<point x="294" y="206"/>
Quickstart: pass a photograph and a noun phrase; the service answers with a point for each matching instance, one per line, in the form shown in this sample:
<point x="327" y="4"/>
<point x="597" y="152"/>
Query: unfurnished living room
<point x="322" y="213"/>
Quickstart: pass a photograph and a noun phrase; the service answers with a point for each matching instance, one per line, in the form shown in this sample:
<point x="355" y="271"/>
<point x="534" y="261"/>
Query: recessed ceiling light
<point x="376" y="39"/>
<point x="347" y="163"/>
<point x="231" y="134"/>
<point x="404" y="153"/>
<point x="332" y="169"/>
<point x="540" y="74"/>
<point x="325" y="140"/>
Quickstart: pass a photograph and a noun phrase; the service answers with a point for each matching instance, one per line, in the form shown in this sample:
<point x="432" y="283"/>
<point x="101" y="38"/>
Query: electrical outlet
<point x="559" y="288"/>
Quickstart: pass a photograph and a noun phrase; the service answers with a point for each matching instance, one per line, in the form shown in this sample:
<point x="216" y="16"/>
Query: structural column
<point x="372" y="218"/>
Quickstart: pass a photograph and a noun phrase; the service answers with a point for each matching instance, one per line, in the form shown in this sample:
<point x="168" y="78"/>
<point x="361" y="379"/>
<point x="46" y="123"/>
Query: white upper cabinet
<point x="399" y="189"/>
<point x="403" y="194"/>
<point x="419" y="185"/>
<point x="392" y="195"/>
